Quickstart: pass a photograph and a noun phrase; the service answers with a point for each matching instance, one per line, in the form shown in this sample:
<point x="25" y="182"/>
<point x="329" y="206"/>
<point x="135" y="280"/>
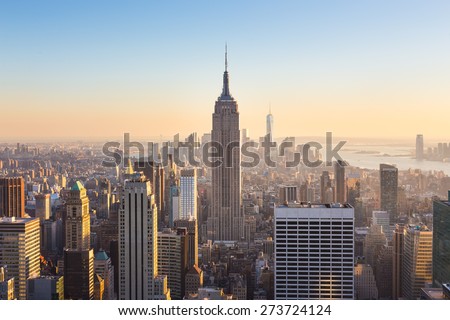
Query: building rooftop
<point x="101" y="255"/>
<point x="16" y="220"/>
<point x="78" y="186"/>
<point x="315" y="205"/>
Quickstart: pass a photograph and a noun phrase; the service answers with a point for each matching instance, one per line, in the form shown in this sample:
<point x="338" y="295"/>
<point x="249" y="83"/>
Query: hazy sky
<point x="101" y="68"/>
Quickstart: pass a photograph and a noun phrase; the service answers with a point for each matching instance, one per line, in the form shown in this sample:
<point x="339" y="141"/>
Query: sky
<point x="72" y="69"/>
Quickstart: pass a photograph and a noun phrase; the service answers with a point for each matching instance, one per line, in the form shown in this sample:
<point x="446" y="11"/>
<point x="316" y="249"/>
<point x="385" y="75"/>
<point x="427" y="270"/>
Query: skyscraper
<point x="288" y="194"/>
<point x="20" y="251"/>
<point x="269" y="125"/>
<point x="417" y="260"/>
<point x="226" y="220"/>
<point x="192" y="238"/>
<point x="388" y="190"/>
<point x="314" y="251"/>
<point x="138" y="245"/>
<point x="12" y="197"/>
<point x="339" y="177"/>
<point x="173" y="259"/>
<point x="188" y="193"/>
<point x="43" y="207"/>
<point x="441" y="242"/>
<point x="78" y="226"/>
<point x="78" y="255"/>
<point x="419" y="147"/>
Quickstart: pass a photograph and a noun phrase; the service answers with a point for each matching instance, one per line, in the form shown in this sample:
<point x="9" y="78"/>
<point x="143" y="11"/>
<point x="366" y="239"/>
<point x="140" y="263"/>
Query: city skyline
<point x="357" y="63"/>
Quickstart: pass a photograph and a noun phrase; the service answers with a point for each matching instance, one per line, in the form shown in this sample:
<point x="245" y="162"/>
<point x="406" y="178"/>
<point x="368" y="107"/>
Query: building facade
<point x="314" y="252"/>
<point x="12" y="197"/>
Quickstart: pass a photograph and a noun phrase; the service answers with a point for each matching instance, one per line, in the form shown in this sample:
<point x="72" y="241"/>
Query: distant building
<point x="314" y="251"/>
<point x="419" y="147"/>
<point x="288" y="194"/>
<point x="43" y="206"/>
<point x="45" y="288"/>
<point x="20" y="251"/>
<point x="389" y="190"/>
<point x="417" y="260"/>
<point x="441" y="242"/>
<point x="12" y="197"/>
<point x="340" y="183"/>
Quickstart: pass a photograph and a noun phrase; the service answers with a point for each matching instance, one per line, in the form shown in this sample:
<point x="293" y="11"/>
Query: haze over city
<point x="98" y="69"/>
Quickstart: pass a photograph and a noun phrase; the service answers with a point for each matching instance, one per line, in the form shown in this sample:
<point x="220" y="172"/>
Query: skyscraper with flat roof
<point x="314" y="251"/>
<point x="12" y="197"/>
<point x="340" y="184"/>
<point x="188" y="193"/>
<point x="419" y="147"/>
<point x="138" y="242"/>
<point x="417" y="260"/>
<point x="225" y="221"/>
<point x="388" y="190"/>
<point x="20" y="251"/>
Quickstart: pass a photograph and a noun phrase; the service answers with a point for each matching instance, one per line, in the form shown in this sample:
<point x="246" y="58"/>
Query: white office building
<point x="314" y="251"/>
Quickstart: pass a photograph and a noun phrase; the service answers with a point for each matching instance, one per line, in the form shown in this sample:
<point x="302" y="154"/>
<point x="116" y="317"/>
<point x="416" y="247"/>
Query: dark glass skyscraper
<point x="388" y="190"/>
<point x="441" y="242"/>
<point x="12" y="197"/>
<point x="225" y="220"/>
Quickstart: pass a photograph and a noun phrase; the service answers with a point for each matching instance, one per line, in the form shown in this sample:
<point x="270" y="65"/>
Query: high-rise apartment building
<point x="388" y="190"/>
<point x="20" y="251"/>
<point x="314" y="251"/>
<point x="12" y="197"/>
<point x="417" y="260"/>
<point x="225" y="221"/>
<point x="441" y="242"/>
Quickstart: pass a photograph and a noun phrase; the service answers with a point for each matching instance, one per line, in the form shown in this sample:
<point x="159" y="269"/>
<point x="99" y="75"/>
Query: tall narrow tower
<point x="225" y="220"/>
<point x="269" y="125"/>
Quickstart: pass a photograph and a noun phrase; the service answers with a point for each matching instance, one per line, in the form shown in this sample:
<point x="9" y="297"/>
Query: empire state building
<point x="225" y="221"/>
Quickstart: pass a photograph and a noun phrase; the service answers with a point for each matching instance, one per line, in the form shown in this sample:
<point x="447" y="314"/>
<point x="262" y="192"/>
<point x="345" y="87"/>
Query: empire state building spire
<point x="226" y="85"/>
